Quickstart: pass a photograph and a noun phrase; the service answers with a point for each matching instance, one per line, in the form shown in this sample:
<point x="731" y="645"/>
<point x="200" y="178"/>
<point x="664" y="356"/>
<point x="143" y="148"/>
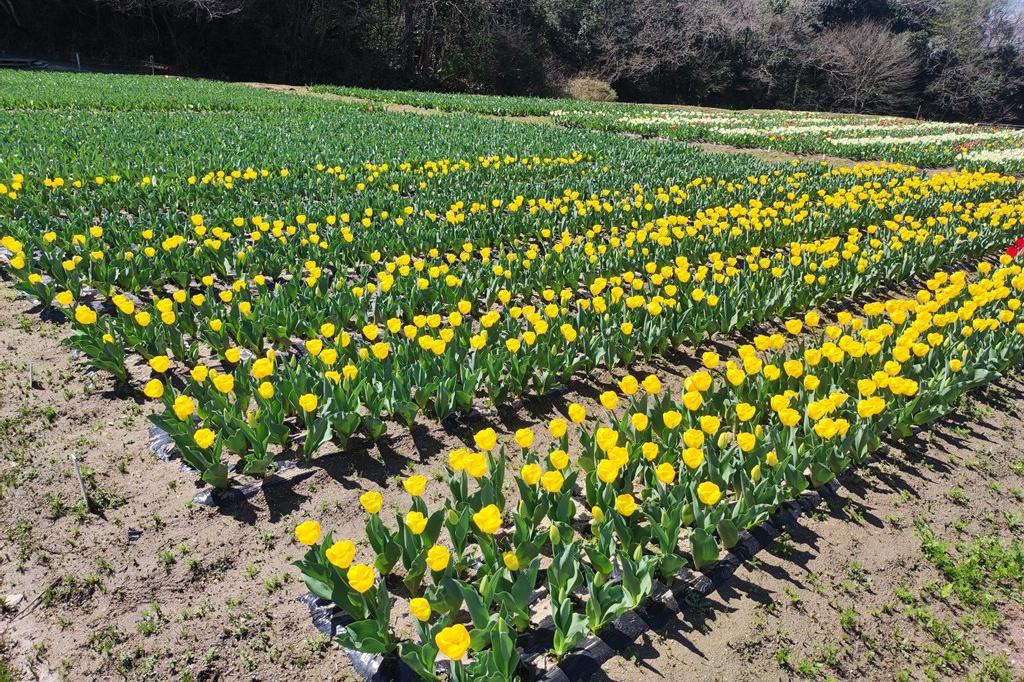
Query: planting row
<point x="244" y="360"/>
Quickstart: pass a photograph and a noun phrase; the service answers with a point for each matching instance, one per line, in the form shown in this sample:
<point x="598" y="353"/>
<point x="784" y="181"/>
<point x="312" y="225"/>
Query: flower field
<point x="668" y="482"/>
<point x="921" y="143"/>
<point x="931" y="144"/>
<point x="283" y="278"/>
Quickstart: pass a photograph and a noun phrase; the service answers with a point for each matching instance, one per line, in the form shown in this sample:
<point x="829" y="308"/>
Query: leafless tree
<point x="865" y="66"/>
<point x="975" y="57"/>
<point x="639" y="38"/>
<point x="959" y="59"/>
<point x="208" y="9"/>
<point x="969" y="86"/>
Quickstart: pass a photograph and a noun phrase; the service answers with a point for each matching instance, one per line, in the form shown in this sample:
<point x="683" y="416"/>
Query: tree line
<point x="949" y="59"/>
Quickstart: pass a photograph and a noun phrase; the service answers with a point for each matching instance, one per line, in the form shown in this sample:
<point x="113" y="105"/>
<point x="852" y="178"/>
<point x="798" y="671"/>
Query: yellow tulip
<point x="183" y="407"/>
<point x="414" y="485"/>
<point x="85" y="316"/>
<point x="453" y="641"/>
<point x="607" y="470"/>
<point x="438" y="557"/>
<point x="625" y="504"/>
<point x="709" y="493"/>
<point x="415" y="522"/>
<point x="204" y="438"/>
<point x="420" y="609"/>
<point x="154" y="389"/>
<point x="552" y="481"/>
<point x="360" y="577"/>
<point x="341" y="553"/>
<point x="159" y="363"/>
<point x="530" y="473"/>
<point x="308" y="533"/>
<point x="488" y="519"/>
<point x="371" y="501"/>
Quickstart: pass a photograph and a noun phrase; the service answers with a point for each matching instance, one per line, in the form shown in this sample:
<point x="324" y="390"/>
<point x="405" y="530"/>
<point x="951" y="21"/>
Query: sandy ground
<point x="148" y="585"/>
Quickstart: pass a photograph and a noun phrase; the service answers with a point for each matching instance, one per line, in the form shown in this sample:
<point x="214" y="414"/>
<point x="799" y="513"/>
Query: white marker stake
<point x="81" y="483"/>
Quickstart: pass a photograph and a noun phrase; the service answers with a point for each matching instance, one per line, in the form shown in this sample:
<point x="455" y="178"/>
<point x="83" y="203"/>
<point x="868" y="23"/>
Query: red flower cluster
<point x="1016" y="248"/>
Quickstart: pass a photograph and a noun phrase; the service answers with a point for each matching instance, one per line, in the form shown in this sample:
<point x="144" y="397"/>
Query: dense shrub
<point x="590" y="89"/>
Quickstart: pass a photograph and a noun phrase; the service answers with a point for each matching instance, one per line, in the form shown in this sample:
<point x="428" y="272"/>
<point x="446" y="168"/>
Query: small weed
<point x="317" y="644"/>
<point x="993" y="669"/>
<point x="103" y="641"/>
<point x="58" y="508"/>
<point x="71" y="591"/>
<point x="978" y="572"/>
<point x="784" y="545"/>
<point x="166" y="559"/>
<point x="276" y="582"/>
<point x="151" y="621"/>
<point x="848" y="619"/>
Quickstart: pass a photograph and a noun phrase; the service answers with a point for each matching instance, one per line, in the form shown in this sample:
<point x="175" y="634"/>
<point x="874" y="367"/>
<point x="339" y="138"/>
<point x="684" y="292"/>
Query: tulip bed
<point x="280" y="277"/>
<point x="496" y="105"/>
<point x="293" y="333"/>
<point x="659" y="482"/>
<point x="922" y="143"/>
<point x="30" y="90"/>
